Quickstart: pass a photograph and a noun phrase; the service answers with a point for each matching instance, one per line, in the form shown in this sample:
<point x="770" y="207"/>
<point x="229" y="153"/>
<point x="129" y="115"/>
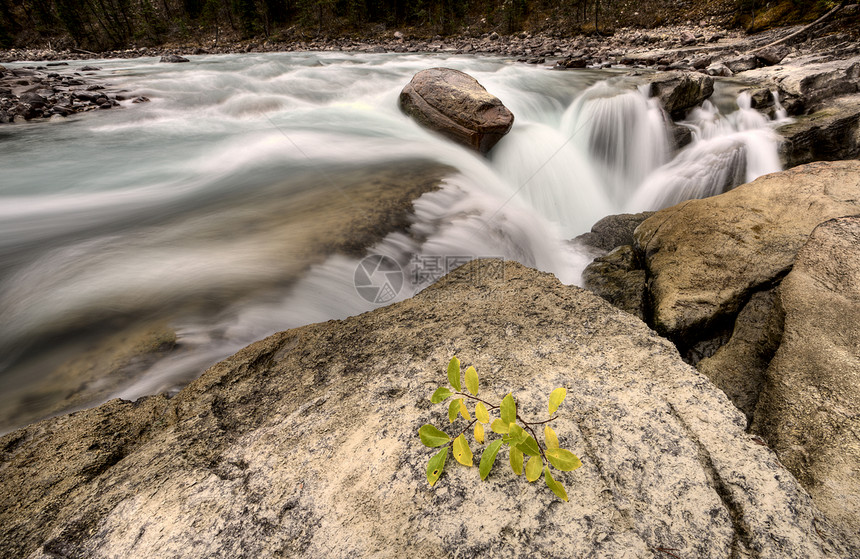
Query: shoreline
<point x="681" y="38"/>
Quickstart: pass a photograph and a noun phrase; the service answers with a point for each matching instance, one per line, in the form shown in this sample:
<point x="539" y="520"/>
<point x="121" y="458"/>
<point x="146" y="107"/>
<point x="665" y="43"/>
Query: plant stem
<point x="490" y="406"/>
<point x="534" y="435"/>
<point x="536" y="422"/>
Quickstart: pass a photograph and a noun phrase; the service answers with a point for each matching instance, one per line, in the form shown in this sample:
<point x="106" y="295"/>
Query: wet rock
<point x="681" y="135"/>
<point x="831" y="134"/>
<point x="809" y="410"/>
<point x="613" y="231"/>
<point x="173" y="58"/>
<point x="572" y="62"/>
<point x="706" y="257"/>
<point x="812" y="81"/>
<point x="141" y="99"/>
<point x="679" y="91"/>
<point x="278" y="448"/>
<point x="457" y="106"/>
<point x="89" y="69"/>
<point x="33" y="99"/>
<point x="619" y="279"/>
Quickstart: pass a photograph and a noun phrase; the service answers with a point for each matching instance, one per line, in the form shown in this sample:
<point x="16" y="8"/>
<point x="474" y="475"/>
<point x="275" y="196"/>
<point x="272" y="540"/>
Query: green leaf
<point x="509" y="409"/>
<point x="516" y="461"/>
<point x="436" y="465"/>
<point x="454" y="409"/>
<point x="440" y="395"/>
<point x="472" y="380"/>
<point x="433" y="437"/>
<point x="462" y="452"/>
<point x="481" y="413"/>
<point x="533" y="468"/>
<point x="529" y="447"/>
<point x="479" y="433"/>
<point x="562" y="459"/>
<point x="499" y="426"/>
<point x="550" y="437"/>
<point x="488" y="458"/>
<point x="556" y="398"/>
<point x="454" y="373"/>
<point x="518" y="434"/>
<point x="556" y="487"/>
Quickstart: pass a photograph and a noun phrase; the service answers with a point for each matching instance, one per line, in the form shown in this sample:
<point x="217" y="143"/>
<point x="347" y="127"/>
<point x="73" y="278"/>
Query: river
<point x="161" y="237"/>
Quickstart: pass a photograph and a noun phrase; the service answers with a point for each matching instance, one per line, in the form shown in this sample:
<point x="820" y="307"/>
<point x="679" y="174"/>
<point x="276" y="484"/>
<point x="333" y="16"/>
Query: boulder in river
<point x="457" y="106"/>
<point x="305" y="445"/>
<point x="173" y="58"/>
<point x="679" y="91"/>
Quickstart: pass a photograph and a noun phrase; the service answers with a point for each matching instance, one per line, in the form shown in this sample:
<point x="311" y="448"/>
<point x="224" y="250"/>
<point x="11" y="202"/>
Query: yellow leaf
<point x="479" y="433"/>
<point x="556" y="397"/>
<point x="550" y="437"/>
<point x="499" y="426"/>
<point x="472" y="380"/>
<point x="436" y="465"/>
<point x="454" y="373"/>
<point x="481" y="413"/>
<point x="464" y="411"/>
<point x="534" y="467"/>
<point x="462" y="452"/>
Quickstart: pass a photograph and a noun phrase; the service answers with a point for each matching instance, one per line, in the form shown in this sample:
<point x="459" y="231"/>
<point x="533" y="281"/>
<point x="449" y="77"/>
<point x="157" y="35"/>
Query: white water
<point x="148" y="213"/>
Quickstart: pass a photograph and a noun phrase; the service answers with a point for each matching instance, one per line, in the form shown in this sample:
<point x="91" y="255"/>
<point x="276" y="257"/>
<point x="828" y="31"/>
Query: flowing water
<point x="184" y="216"/>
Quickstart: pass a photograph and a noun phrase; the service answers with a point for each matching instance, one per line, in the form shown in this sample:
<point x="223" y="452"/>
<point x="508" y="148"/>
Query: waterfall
<point x="726" y="151"/>
<point x="186" y="211"/>
<point x="624" y="132"/>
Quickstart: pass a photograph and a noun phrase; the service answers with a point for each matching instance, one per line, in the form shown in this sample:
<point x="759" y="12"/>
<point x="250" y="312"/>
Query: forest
<point x="114" y="24"/>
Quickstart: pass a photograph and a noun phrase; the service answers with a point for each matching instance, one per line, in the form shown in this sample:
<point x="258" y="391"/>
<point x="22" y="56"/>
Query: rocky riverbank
<point x="54" y="90"/>
<point x="305" y="444"/>
<point x="761" y="296"/>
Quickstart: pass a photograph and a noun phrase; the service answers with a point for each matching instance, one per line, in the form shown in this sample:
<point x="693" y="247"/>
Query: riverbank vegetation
<point x="110" y="24"/>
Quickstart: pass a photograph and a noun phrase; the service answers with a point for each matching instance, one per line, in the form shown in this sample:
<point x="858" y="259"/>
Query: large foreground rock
<point x="457" y="106"/>
<point x="305" y="445"/>
<point x="738" y="368"/>
<point x="809" y="410"/>
<point x="705" y="257"/>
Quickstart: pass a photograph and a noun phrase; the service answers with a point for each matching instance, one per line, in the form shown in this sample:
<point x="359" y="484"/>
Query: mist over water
<point x="193" y="213"/>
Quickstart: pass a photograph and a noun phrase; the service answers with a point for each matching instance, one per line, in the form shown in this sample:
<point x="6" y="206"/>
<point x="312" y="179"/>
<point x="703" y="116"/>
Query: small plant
<point x="518" y="434"/>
